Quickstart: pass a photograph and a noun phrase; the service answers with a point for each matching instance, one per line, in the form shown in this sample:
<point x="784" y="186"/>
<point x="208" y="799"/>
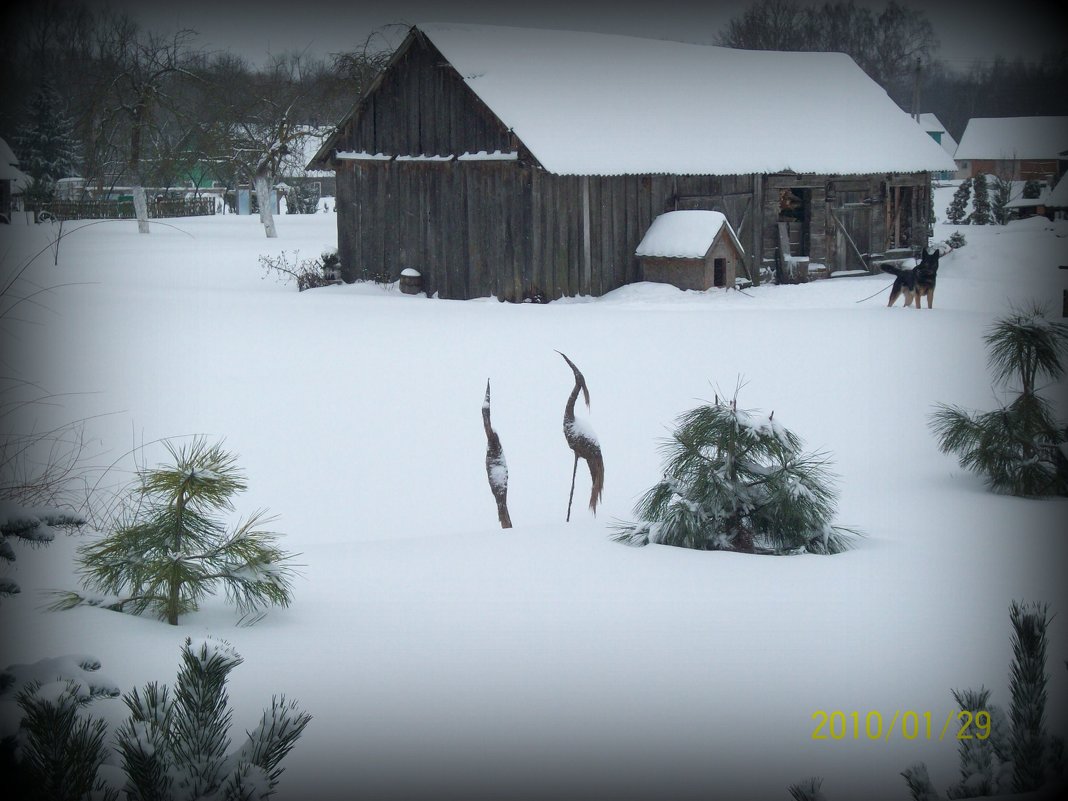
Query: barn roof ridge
<point x="607" y="104"/>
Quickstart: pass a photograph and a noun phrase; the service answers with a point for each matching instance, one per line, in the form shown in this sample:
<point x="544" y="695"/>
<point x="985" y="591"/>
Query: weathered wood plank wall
<point x="500" y="228"/>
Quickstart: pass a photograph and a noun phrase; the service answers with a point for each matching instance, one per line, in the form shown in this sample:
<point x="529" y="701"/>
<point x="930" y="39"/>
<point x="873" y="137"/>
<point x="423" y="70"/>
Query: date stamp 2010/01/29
<point x="961" y="724"/>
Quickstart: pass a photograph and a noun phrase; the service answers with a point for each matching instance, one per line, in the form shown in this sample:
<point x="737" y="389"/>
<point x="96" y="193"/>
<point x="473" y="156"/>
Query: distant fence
<point x="122" y="209"/>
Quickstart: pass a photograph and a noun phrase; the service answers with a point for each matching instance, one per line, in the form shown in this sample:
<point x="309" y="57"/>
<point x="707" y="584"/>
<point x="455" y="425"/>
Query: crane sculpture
<point x="583" y="442"/>
<point x="496" y="468"/>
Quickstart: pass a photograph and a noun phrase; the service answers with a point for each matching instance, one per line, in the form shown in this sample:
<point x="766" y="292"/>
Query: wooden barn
<point x="523" y="163"/>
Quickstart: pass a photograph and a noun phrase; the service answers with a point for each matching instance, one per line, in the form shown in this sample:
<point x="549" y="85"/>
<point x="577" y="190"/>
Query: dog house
<point x="691" y="249"/>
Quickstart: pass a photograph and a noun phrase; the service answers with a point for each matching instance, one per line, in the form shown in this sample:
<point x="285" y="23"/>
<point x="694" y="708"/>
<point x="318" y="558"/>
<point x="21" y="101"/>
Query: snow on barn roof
<point x="684" y="234"/>
<point x="1013" y="138"/>
<point x="599" y="104"/>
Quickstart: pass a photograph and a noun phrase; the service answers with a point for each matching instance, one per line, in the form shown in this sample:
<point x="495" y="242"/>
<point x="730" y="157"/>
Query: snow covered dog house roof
<point x="686" y="234"/>
<point x="600" y="104"/>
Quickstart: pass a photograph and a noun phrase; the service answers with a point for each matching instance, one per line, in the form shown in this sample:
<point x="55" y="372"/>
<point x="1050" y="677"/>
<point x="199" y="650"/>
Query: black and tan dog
<point x="916" y="282"/>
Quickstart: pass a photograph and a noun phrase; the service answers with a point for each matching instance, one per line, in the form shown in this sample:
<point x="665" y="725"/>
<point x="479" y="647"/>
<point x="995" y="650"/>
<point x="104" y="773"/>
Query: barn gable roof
<point x="1013" y="138"/>
<point x="600" y="104"/>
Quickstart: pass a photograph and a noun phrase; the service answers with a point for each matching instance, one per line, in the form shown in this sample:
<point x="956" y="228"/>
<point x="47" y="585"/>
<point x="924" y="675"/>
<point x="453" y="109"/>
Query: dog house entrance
<point x="719" y="272"/>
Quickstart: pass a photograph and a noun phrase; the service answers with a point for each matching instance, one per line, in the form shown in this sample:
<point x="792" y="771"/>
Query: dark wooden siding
<point x="422" y="106"/>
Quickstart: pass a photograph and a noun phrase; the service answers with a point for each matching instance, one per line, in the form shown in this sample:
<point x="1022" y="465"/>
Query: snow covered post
<point x="411" y="281"/>
<point x="496" y="467"/>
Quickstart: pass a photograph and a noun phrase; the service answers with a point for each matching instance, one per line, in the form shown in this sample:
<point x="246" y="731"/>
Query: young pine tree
<point x="957" y="211"/>
<point x="1027" y="686"/>
<point x="981" y="211"/>
<point x="736" y="480"/>
<point x="1017" y="448"/>
<point x="177" y="745"/>
<point x="59" y="750"/>
<point x="172" y="548"/>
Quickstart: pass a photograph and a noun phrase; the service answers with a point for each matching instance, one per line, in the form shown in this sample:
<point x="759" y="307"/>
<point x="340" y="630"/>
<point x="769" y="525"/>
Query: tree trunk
<point x="263" y="194"/>
<point x="140" y="208"/>
<point x="136" y="133"/>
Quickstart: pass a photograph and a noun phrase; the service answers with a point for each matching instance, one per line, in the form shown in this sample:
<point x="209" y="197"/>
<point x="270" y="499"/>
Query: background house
<point x="1016" y="148"/>
<point x="937" y="131"/>
<point x="520" y="163"/>
<point x="12" y="180"/>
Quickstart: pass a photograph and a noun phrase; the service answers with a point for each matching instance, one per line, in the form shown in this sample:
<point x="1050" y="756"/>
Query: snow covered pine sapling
<point x="736" y="480"/>
<point x="171" y="547"/>
<point x="1018" y="448"/>
<point x="174" y="745"/>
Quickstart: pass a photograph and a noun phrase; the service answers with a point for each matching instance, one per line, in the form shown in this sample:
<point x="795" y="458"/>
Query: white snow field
<point x="442" y="657"/>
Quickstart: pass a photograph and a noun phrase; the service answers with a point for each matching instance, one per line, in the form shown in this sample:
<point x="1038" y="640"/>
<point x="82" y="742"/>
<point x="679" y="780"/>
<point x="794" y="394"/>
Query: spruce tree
<point x="1019" y="447"/>
<point x="981" y="212"/>
<point x="1002" y="196"/>
<point x="45" y="143"/>
<point x="737" y="480"/>
<point x="957" y="211"/>
<point x="171" y="547"/>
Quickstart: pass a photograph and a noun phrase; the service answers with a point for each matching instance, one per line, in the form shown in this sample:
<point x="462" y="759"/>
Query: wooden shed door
<point x="852" y="233"/>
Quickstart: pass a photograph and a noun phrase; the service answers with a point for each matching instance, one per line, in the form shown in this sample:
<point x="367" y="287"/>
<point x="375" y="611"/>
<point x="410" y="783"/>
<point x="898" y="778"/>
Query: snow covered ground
<point x="440" y="655"/>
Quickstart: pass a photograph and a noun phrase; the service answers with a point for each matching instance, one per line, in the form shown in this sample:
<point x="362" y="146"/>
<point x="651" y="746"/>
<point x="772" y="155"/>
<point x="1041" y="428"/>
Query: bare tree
<point x="886" y="44"/>
<point x="768" y="25"/>
<point x="144" y="66"/>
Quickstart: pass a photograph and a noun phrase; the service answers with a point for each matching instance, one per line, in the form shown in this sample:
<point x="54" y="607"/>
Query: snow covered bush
<point x="309" y="273"/>
<point x="49" y="749"/>
<point x="736" y="480"/>
<point x="171" y="548"/>
<point x="956" y="240"/>
<point x="33" y="525"/>
<point x="1019" y="448"/>
<point x="175" y="745"/>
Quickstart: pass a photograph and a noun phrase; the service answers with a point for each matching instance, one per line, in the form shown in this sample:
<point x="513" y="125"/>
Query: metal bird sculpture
<point x="583" y="442"/>
<point x="496" y="468"/>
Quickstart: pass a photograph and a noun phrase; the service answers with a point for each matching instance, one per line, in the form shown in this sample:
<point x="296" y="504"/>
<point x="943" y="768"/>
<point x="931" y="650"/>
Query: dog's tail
<point x="890" y="268"/>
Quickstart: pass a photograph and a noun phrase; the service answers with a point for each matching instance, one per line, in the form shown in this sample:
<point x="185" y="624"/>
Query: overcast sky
<point x="977" y="29"/>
